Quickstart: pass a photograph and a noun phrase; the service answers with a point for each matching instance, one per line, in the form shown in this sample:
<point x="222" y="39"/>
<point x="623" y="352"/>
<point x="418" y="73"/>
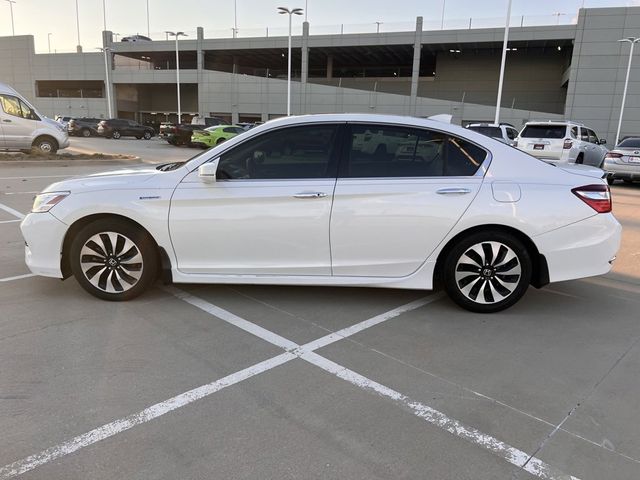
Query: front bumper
<point x="44" y="235"/>
<point x="582" y="249"/>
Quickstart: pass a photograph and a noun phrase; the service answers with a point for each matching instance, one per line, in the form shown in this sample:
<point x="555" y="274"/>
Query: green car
<point x="212" y="136"/>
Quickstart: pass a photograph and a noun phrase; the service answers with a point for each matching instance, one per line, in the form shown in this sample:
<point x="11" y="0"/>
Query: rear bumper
<point x="582" y="249"/>
<point x="622" y="171"/>
<point x="43" y="234"/>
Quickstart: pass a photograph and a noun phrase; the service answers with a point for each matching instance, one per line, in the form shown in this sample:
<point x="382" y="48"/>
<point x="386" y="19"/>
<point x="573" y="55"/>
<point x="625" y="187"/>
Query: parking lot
<point x="220" y="382"/>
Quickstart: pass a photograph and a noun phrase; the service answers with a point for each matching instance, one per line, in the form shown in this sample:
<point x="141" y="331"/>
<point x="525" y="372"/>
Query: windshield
<point x="488" y="131"/>
<point x="544" y="131"/>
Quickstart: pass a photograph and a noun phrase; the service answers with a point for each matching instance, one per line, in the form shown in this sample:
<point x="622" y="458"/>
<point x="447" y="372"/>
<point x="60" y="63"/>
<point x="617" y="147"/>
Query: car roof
<point x="4" y="88"/>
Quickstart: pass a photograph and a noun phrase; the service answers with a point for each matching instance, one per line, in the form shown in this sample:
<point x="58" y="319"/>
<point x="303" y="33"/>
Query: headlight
<point x="46" y="201"/>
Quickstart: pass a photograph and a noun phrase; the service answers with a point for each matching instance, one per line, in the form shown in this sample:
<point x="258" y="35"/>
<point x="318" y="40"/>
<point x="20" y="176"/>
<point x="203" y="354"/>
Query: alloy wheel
<point x="488" y="272"/>
<point x="46" y="147"/>
<point x="111" y="262"/>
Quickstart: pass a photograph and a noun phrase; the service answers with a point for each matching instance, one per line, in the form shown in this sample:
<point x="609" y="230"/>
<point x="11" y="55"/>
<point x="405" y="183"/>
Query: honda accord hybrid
<point x="345" y="199"/>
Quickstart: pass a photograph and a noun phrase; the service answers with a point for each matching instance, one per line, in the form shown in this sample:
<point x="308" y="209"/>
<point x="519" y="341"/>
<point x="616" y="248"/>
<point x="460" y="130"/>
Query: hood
<point x="584" y="170"/>
<point x="109" y="180"/>
<point x="53" y="124"/>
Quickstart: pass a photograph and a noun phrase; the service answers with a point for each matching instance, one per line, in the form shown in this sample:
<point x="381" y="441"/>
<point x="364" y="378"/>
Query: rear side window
<point x="488" y="131"/>
<point x="544" y="131"/>
<point x="512" y="133"/>
<point x="391" y="151"/>
<point x="574" y="132"/>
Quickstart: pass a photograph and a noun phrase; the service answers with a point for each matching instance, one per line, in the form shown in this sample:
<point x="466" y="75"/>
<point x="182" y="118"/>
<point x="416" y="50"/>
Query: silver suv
<point x="503" y="132"/>
<point x="562" y="142"/>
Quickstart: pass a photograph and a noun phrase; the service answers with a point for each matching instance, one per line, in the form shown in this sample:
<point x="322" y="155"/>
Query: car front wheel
<point x="147" y="135"/>
<point x="116" y="134"/>
<point x="487" y="272"/>
<point x="113" y="260"/>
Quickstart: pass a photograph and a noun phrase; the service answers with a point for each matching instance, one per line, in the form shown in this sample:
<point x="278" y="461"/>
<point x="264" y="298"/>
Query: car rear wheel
<point x="113" y="260"/>
<point x="487" y="271"/>
<point x="610" y="180"/>
<point x="86" y="132"/>
<point x="116" y="134"/>
<point x="147" y="135"/>
<point x="220" y="140"/>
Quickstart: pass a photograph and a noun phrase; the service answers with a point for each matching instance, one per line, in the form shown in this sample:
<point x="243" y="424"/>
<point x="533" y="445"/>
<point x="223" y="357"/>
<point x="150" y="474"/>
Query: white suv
<point x="562" y="142"/>
<point x="23" y="128"/>
<point x="503" y="132"/>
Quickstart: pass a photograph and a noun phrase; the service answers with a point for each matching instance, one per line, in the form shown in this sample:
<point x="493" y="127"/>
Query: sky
<point x="41" y="17"/>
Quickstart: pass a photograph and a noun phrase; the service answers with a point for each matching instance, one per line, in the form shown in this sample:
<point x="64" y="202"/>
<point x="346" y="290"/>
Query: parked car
<point x="116" y="128"/>
<point x="212" y="136"/>
<point x="165" y="128"/>
<point x="503" y="132"/>
<point x="136" y="38"/>
<point x="474" y="215"/>
<point x="62" y="120"/>
<point x="83" y="127"/>
<point x="23" y="128"/>
<point x="181" y="134"/>
<point x="623" y="162"/>
<point x="562" y="142"/>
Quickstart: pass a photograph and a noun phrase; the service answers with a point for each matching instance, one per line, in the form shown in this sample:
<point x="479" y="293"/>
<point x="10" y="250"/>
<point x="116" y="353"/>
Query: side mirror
<point x="207" y="171"/>
<point x="603" y="141"/>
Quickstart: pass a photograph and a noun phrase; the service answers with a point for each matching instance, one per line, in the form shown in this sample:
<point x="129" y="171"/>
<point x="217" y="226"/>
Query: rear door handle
<point x="310" y="195"/>
<point x="453" y="191"/>
<point x="6" y="120"/>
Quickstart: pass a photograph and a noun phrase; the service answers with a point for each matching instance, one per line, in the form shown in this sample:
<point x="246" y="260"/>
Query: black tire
<point x="580" y="159"/>
<point x="138" y="138"/>
<point x="116" y="134"/>
<point x="45" y="145"/>
<point x="610" y="180"/>
<point x="86" y="132"/>
<point x="627" y="180"/>
<point x="498" y="282"/>
<point x="147" y="135"/>
<point x="220" y="140"/>
<point x="96" y="260"/>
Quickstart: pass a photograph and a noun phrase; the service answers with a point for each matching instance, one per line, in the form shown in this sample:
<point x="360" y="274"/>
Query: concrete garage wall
<point x="225" y="92"/>
<point x="598" y="71"/>
<point x="16" y="61"/>
<point x="476" y="74"/>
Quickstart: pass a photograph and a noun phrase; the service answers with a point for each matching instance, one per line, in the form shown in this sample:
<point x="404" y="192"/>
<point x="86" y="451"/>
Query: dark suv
<point x="116" y="128"/>
<point x="84" y="127"/>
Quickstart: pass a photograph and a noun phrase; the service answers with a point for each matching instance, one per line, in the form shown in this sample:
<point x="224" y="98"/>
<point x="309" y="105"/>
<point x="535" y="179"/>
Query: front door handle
<point x="453" y="191"/>
<point x="310" y="195"/>
<point x="6" y="120"/>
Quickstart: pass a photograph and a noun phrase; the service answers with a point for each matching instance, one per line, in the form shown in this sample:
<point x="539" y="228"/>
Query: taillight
<point x="567" y="144"/>
<point x="174" y="129"/>
<point x="613" y="155"/>
<point x="597" y="197"/>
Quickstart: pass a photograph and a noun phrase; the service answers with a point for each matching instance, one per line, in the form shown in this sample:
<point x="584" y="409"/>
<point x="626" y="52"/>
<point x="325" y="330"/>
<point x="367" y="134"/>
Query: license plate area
<point x="634" y="160"/>
<point x="538" y="146"/>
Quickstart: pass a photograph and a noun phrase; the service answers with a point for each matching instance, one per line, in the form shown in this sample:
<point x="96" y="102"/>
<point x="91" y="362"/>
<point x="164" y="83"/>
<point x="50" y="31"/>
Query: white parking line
<point x="17" y="277"/>
<point x="36" y="176"/>
<point x="11" y="221"/>
<point x="10" y="210"/>
<point x="511" y="454"/>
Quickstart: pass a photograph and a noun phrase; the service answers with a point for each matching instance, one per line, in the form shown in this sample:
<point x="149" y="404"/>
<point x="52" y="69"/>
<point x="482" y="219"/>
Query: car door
<point x="597" y="151"/>
<point x="18" y="122"/>
<point x="268" y="211"/>
<point x="393" y="206"/>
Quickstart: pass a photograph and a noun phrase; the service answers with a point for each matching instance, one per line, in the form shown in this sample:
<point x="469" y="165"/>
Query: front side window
<point x="294" y="152"/>
<point x="512" y="133"/>
<point x="593" y="138"/>
<point x="17" y="108"/>
<point x="392" y="151"/>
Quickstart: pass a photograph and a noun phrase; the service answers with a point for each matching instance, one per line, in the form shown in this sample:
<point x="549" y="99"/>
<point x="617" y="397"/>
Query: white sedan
<point x="297" y="202"/>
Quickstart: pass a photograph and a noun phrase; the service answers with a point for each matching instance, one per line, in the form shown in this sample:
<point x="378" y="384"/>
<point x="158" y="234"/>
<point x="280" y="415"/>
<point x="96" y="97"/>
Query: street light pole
<point x="104" y="16"/>
<point x="444" y="4"/>
<point x="148" y="22"/>
<point x="378" y="26"/>
<point x="78" y="25"/>
<point x="235" y="18"/>
<point x="13" y="28"/>
<point x="503" y="63"/>
<point x="177" y="35"/>
<point x="632" y="41"/>
<point x="49" y="41"/>
<point x="290" y="12"/>
<point x="107" y="84"/>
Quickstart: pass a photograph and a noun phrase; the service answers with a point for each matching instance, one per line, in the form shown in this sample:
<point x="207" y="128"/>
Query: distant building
<point x="556" y="71"/>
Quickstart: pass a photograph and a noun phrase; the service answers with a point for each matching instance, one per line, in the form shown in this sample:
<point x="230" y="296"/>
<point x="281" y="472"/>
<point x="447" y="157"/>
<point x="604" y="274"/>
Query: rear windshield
<point x="488" y="131"/>
<point x="544" y="131"/>
<point x="630" y="143"/>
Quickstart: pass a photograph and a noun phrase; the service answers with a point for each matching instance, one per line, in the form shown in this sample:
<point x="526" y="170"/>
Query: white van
<point x="22" y="128"/>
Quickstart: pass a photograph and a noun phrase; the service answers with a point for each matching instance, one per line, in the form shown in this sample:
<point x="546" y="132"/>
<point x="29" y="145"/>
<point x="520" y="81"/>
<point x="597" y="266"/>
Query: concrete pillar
<point x="330" y="66"/>
<point x="304" y="68"/>
<point x="415" y="73"/>
<point x="200" y="67"/>
<point x="107" y="42"/>
<point x="235" y="94"/>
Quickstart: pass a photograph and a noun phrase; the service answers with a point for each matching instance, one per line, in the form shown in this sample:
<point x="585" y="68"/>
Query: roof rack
<point x="556" y="121"/>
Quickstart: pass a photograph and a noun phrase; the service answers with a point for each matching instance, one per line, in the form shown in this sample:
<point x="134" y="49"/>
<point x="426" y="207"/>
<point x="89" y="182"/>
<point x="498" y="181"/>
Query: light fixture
<point x="559" y="48"/>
